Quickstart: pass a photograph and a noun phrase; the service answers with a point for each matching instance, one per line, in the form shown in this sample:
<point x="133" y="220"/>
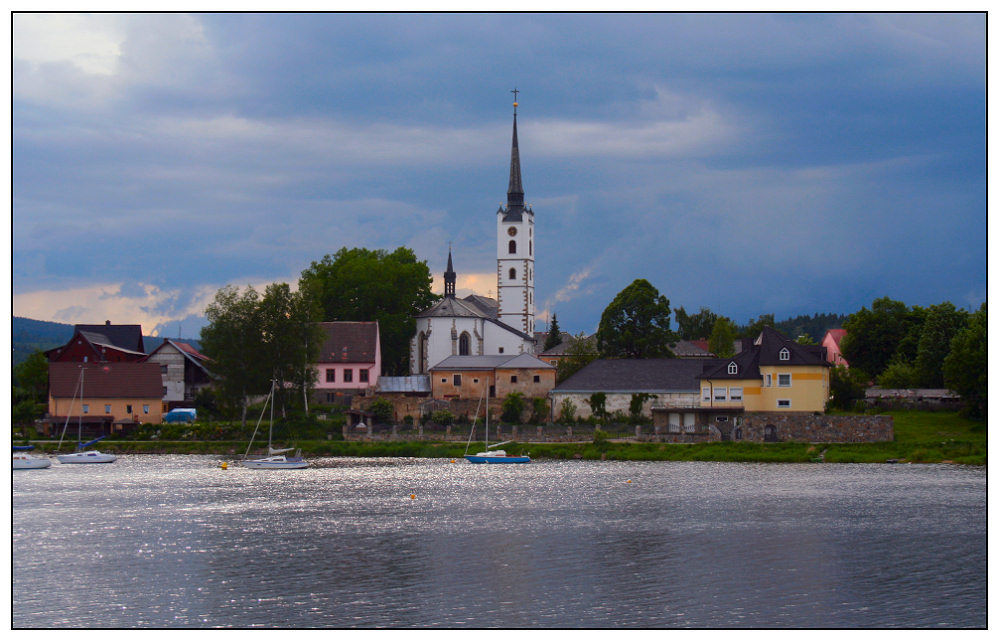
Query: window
<point x="783" y="380"/>
<point x="513" y="247"/>
<point x="86" y="408"/>
<point x="475" y="380"/>
<point x="85" y="358"/>
<point x="513" y="379"/>
<point x="457" y="380"/>
<point x="706" y="394"/>
<point x="443" y="380"/>
<point x="733" y="368"/>
<point x="163" y="369"/>
<point x="330" y="375"/>
<point x="721" y="393"/>
<point x="107" y="409"/>
<point x="721" y="419"/>
<point x="785" y="354"/>
<point x="463" y="344"/>
<point x="768" y="380"/>
<point x="735" y="393"/>
<point x="513" y="274"/>
<point x="530" y="247"/>
<point x="364" y="375"/>
<point x="500" y="350"/>
<point x="330" y="397"/>
<point x="784" y="402"/>
<point x="128" y="409"/>
<point x="537" y="379"/>
<point x="348" y="375"/>
<point x="164" y="390"/>
<point x="145" y="409"/>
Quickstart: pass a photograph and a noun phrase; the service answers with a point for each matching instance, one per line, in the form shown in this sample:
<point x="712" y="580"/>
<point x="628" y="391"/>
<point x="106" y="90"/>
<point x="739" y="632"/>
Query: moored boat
<point x="275" y="459"/>
<point x="21" y="460"/>
<point x="493" y="456"/>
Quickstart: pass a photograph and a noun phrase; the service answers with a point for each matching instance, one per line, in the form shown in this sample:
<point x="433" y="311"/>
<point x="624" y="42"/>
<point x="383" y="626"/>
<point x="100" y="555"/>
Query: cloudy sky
<point x="749" y="163"/>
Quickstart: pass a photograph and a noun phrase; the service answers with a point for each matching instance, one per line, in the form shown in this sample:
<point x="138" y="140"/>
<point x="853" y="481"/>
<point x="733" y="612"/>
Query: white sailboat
<point x="81" y="456"/>
<point x="490" y="455"/>
<point x="276" y="460"/>
<point x="21" y="460"/>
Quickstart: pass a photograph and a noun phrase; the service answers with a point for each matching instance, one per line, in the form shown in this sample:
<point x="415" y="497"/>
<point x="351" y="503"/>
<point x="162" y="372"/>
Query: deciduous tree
<point x="373" y="285"/>
<point x="874" y="336"/>
<point x="941" y="324"/>
<point x="965" y="369"/>
<point x="692" y="327"/>
<point x="721" y="343"/>
<point x="636" y="324"/>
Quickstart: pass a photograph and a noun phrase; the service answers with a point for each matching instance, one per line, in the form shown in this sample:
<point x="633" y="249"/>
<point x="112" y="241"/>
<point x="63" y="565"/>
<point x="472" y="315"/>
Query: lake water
<point x="175" y="541"/>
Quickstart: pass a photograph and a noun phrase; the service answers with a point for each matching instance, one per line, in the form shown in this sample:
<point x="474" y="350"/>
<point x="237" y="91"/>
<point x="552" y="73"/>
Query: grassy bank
<point x="920" y="437"/>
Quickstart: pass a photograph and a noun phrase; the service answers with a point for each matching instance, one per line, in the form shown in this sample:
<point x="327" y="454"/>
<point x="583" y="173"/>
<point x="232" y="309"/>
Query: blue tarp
<point x="181" y="415"/>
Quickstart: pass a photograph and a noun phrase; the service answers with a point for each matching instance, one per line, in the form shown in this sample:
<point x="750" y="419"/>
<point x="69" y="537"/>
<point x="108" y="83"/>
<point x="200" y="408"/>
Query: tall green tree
<point x="232" y="339"/>
<point x="721" y="342"/>
<point x="966" y="367"/>
<point x="554" y="335"/>
<point x="290" y="342"/>
<point x="373" y="285"/>
<point x="692" y="327"/>
<point x="636" y="324"/>
<point x="942" y="322"/>
<point x="846" y="386"/>
<point x="753" y="328"/>
<point x="32" y="376"/>
<point x="580" y="352"/>
<point x="874" y="336"/>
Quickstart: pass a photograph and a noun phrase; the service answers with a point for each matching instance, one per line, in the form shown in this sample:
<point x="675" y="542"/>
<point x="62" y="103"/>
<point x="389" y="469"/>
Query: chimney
<point x="108" y="323"/>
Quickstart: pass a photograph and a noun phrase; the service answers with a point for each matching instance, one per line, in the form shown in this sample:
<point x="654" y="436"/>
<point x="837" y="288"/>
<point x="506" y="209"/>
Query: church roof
<point x="486" y="305"/>
<point x="449" y="306"/>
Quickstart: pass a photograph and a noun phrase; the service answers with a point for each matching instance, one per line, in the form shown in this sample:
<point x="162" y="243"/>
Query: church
<point x="478" y="325"/>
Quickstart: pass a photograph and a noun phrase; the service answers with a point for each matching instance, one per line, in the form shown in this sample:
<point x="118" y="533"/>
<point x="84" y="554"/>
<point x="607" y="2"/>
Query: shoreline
<point x="620" y="450"/>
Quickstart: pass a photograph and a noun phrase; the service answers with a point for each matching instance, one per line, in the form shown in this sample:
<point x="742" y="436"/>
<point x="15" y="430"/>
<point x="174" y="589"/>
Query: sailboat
<point x="275" y="460"/>
<point x="490" y="455"/>
<point x="21" y="460"/>
<point x="81" y="456"/>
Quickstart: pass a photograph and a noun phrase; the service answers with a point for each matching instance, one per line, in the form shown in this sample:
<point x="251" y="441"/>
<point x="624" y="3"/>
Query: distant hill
<point x="29" y="335"/>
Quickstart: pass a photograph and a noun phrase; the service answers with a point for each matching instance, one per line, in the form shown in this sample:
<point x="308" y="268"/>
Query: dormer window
<point x="733" y="368"/>
<point x="785" y="354"/>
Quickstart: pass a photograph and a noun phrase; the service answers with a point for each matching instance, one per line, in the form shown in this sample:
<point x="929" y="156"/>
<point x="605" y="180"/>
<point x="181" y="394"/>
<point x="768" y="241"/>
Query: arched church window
<point x="513" y="247"/>
<point x="513" y="274"/>
<point x="464" y="343"/>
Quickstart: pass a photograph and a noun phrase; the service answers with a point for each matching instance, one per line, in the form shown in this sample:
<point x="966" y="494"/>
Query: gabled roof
<point x="567" y="340"/>
<point x="186" y="350"/>
<point x="690" y="349"/>
<point x="634" y="375"/>
<point x="127" y="337"/>
<point x="348" y="342"/>
<point x="497" y="361"/>
<point x="486" y="305"/>
<point x="765" y="351"/>
<point x="106" y="380"/>
<point x="99" y="340"/>
<point x="449" y="306"/>
<point x="835" y="334"/>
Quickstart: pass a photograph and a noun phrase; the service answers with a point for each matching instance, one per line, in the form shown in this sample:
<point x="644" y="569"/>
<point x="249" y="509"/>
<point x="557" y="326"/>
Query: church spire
<point x="515" y="193"/>
<point x="449" y="277"/>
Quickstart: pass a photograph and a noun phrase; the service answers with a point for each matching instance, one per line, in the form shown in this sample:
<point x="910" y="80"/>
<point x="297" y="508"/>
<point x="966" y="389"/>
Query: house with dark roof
<point x="774" y="374"/>
<point x="101" y="343"/>
<point x="104" y="397"/>
<point x="349" y="362"/>
<point x="669" y="383"/>
<point x="495" y="376"/>
<point x="183" y="369"/>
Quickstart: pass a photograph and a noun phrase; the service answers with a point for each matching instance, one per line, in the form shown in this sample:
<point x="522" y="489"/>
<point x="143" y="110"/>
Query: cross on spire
<point x="514" y="91"/>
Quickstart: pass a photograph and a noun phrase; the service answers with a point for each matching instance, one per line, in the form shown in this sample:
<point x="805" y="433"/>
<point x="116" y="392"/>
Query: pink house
<point x="831" y="342"/>
<point x="350" y="360"/>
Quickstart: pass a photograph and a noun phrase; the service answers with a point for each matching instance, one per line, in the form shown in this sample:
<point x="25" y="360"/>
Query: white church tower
<point x="515" y="249"/>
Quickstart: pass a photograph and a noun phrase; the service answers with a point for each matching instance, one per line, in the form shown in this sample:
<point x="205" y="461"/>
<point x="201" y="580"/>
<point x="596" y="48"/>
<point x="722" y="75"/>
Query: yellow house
<point x="774" y="375"/>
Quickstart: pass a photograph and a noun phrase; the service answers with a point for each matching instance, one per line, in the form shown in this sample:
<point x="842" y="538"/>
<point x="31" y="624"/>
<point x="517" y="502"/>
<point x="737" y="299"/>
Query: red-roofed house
<point x="112" y="397"/>
<point x="183" y="370"/>
<point x="831" y="342"/>
<point x="350" y="359"/>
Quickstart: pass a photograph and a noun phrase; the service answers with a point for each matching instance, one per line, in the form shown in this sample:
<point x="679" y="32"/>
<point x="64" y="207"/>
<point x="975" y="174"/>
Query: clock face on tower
<point x="512" y="231"/>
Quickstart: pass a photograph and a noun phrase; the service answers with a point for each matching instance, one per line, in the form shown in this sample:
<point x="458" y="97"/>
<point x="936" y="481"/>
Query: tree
<point x="899" y="374"/>
<point x="941" y="324"/>
<point x="598" y="404"/>
<point x="233" y="341"/>
<point x="513" y="407"/>
<point x="692" y="327"/>
<point x="567" y="411"/>
<point x="755" y="326"/>
<point x="874" y="336"/>
<point x="636" y="324"/>
<point x="846" y="386"/>
<point x="580" y="352"/>
<point x="373" y="285"/>
<point x="805" y="339"/>
<point x="721" y="343"/>
<point x="290" y="342"/>
<point x="32" y="376"/>
<point x="554" y="335"/>
<point x="965" y="369"/>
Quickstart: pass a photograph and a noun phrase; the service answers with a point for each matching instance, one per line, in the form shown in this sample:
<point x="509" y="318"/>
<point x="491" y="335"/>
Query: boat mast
<point x="270" y="429"/>
<point x="69" y="412"/>
<point x="79" y="424"/>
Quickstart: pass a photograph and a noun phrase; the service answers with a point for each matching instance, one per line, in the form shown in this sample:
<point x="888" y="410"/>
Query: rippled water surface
<point x="175" y="541"/>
